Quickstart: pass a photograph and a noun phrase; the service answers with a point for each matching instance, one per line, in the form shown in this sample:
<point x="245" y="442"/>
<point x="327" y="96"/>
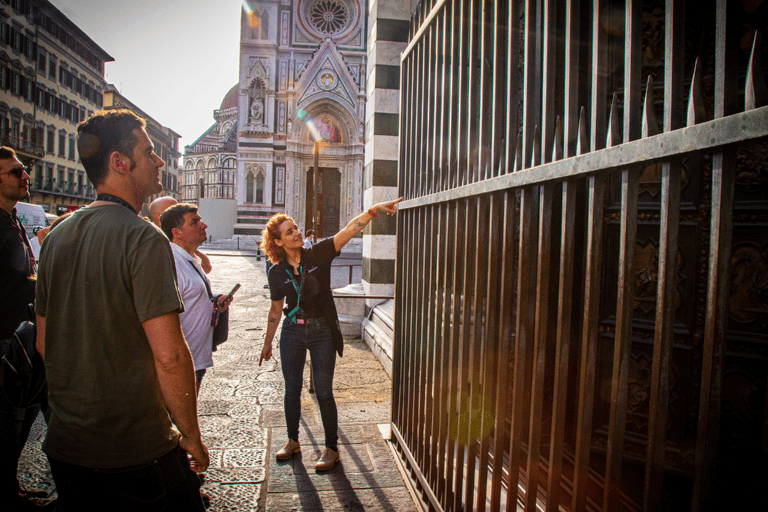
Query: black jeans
<point x="15" y="424"/>
<point x="164" y="484"/>
<point x="295" y="340"/>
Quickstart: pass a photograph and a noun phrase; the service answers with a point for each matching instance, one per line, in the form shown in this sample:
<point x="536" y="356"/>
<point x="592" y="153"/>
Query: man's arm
<point x="40" y="339"/>
<point x="176" y="374"/>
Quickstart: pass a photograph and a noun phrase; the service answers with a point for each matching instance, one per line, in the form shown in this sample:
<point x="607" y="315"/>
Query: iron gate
<point x="583" y="255"/>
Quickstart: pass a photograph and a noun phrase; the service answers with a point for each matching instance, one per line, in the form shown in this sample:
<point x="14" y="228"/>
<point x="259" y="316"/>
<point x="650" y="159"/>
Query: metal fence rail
<point x="548" y="249"/>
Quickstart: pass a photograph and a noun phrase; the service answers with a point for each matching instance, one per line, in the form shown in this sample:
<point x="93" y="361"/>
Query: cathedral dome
<point x="230" y="100"/>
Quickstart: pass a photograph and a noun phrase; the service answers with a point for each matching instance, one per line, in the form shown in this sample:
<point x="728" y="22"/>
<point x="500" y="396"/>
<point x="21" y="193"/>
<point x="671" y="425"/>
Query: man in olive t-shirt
<point x="108" y="328"/>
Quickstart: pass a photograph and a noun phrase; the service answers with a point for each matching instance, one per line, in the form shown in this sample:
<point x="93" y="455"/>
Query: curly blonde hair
<point x="269" y="234"/>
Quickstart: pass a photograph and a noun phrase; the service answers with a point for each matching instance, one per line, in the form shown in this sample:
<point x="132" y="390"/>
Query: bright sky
<point x="174" y="59"/>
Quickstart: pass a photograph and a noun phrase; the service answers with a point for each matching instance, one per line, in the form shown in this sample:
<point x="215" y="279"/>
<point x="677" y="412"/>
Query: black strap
<point x="115" y="199"/>
<point x="205" y="281"/>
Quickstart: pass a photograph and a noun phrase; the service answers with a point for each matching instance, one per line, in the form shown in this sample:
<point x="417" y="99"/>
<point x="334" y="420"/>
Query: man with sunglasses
<point x="17" y="290"/>
<point x="116" y="360"/>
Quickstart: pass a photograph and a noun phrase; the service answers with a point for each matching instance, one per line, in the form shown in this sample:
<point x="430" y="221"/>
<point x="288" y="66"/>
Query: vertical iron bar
<point x="444" y="103"/>
<point x="663" y="335"/>
<point x="599" y="71"/>
<point x="549" y="79"/>
<point x="571" y="89"/>
<point x="499" y="62"/>
<point x="432" y="86"/>
<point x="513" y="77"/>
<point x="421" y="135"/>
<point x="627" y="240"/>
<point x="475" y="397"/>
<point x="448" y="262"/>
<point x="633" y="98"/>
<point x="564" y="312"/>
<point x="539" y="349"/>
<point x="433" y="312"/>
<point x="453" y="103"/>
<point x="504" y="338"/>
<point x="532" y="69"/>
<point x="674" y="116"/>
<point x="459" y="278"/>
<point x="716" y="327"/>
<point x="718" y="279"/>
<point x="623" y="339"/>
<point x="471" y="92"/>
<point x="465" y="84"/>
<point x="423" y="344"/>
<point x="592" y="280"/>
<point x="491" y="356"/>
<point x="463" y="377"/>
<point x="524" y="332"/>
<point x="485" y="106"/>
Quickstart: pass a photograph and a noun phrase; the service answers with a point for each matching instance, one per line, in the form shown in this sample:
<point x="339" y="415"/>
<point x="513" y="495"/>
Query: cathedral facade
<point x="301" y="90"/>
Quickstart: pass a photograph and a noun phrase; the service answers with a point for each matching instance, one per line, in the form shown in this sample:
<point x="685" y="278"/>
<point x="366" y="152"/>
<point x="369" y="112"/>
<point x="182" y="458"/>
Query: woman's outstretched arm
<point x="357" y="224"/>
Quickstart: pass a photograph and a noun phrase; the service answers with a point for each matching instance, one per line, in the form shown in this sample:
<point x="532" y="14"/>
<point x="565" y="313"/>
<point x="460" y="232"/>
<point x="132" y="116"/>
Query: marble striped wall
<point x="388" y="24"/>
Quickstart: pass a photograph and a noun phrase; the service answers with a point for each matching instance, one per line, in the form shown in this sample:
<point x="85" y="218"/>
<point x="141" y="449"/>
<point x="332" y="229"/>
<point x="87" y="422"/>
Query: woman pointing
<point x="303" y="277"/>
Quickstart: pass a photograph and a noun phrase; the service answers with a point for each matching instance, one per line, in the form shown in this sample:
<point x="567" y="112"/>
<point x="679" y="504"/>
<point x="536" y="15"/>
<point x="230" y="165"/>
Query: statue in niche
<point x="257" y="110"/>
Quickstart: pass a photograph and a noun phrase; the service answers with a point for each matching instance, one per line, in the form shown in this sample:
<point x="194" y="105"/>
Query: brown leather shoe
<point x="289" y="449"/>
<point x="327" y="460"/>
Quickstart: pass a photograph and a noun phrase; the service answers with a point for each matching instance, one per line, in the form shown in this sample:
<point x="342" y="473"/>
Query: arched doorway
<point x="201" y="187"/>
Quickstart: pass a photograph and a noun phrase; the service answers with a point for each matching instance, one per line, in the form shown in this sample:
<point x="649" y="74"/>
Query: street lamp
<point x="316" y="188"/>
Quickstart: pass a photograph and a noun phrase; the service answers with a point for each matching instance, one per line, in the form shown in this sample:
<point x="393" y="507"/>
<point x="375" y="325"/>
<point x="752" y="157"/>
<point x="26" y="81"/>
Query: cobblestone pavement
<point x="242" y="421"/>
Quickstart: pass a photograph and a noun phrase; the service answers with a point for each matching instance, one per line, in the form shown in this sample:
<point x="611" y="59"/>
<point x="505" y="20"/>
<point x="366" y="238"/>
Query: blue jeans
<point x="164" y="484"/>
<point x="295" y="340"/>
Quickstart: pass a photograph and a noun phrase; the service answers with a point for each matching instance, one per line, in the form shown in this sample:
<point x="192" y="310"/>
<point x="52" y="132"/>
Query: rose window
<point x="328" y="16"/>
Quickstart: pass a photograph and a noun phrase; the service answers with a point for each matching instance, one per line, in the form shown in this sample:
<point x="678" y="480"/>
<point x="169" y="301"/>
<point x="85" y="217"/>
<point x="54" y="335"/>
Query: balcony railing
<point x="22" y="145"/>
<point x="64" y="188"/>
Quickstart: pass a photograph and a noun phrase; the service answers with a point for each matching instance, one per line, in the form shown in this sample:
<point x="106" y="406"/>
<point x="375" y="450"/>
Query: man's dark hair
<point x="173" y="217"/>
<point x="6" y="153"/>
<point x="101" y="134"/>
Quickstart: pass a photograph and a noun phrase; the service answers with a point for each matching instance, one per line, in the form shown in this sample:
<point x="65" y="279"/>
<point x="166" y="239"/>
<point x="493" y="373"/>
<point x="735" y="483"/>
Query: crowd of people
<point x="126" y="322"/>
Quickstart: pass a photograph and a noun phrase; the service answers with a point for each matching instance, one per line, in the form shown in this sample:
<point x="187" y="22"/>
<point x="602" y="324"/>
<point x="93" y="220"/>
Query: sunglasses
<point x="17" y="171"/>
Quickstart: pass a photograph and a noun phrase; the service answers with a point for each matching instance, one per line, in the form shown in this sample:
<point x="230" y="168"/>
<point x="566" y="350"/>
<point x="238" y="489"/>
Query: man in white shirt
<point x="156" y="209"/>
<point x="182" y="225"/>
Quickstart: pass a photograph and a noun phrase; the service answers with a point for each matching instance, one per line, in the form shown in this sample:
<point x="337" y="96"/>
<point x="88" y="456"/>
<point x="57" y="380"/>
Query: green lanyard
<point x="298" y="288"/>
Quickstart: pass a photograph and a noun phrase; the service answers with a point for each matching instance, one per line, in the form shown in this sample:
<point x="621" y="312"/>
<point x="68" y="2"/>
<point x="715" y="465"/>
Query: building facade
<point x="51" y="79"/>
<point x="302" y="81"/>
<point x="210" y="163"/>
<point x="165" y="140"/>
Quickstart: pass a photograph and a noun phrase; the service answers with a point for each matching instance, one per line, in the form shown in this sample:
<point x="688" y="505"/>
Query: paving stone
<point x="348" y="500"/>
<point x="244" y="458"/>
<point x="246" y="407"/>
<point x="249" y="475"/>
<point x="234" y="497"/>
<point x="274" y="415"/>
<point x="364" y="412"/>
<point x="213" y="407"/>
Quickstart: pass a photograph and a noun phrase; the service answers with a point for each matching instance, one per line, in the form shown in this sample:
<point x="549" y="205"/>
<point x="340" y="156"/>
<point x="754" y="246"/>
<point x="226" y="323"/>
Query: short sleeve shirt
<point x="196" y="318"/>
<point x="102" y="273"/>
<point x="316" y="266"/>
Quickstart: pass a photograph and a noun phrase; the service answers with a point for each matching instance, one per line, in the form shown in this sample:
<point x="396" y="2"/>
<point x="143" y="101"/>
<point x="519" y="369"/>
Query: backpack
<point x="24" y="381"/>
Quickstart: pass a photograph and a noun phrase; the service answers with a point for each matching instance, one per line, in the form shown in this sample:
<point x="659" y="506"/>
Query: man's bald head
<point x="158" y="206"/>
